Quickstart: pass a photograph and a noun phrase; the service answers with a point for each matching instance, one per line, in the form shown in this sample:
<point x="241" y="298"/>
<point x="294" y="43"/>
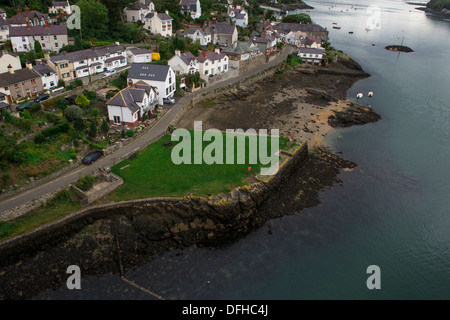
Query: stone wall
<point x="109" y="182"/>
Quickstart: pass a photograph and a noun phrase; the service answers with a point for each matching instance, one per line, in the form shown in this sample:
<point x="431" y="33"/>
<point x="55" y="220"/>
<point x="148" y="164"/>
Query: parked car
<point x="92" y="157"/>
<point x="41" y="97"/>
<point x="23" y="106"/>
<point x="109" y="72"/>
<point x="168" y="100"/>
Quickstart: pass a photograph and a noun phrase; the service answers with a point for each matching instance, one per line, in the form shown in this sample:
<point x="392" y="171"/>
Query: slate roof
<point x="161" y="16"/>
<point x="129" y="96"/>
<point x="137" y="51"/>
<point x="287" y="27"/>
<point x="210" y="55"/>
<point x="7" y="79"/>
<point x="60" y="3"/>
<point x="222" y="27"/>
<point x="42" y="69"/>
<point x="54" y="29"/>
<point x="7" y="52"/>
<point x="86" y="54"/>
<point x="194" y="30"/>
<point x="311" y="50"/>
<point x="187" y="57"/>
<point x="145" y="71"/>
<point x="21" y="18"/>
<point x="3" y="23"/>
<point x="188" y="2"/>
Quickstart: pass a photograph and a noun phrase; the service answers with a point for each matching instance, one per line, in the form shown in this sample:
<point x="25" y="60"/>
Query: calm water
<point x="392" y="211"/>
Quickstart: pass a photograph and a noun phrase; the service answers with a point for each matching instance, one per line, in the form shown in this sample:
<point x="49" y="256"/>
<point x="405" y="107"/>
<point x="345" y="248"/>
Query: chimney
<point x="28" y="23"/>
<point x="177" y="52"/>
<point x="29" y="65"/>
<point x="10" y="69"/>
<point x="167" y="11"/>
<point x="46" y="55"/>
<point x="26" y="9"/>
<point x="46" y="24"/>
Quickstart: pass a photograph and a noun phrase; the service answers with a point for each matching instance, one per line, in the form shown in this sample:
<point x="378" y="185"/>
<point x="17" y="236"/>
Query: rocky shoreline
<point x="127" y="236"/>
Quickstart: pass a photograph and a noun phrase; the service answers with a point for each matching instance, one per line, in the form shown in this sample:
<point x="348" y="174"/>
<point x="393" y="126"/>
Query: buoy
<point x="370" y="94"/>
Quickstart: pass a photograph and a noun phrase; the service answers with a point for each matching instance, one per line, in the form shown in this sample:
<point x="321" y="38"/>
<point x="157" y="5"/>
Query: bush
<point x="85" y="183"/>
<point x="51" y="117"/>
<point x="330" y="59"/>
<point x="55" y="130"/>
<point x="61" y="83"/>
<point x="62" y="103"/>
<point x="9" y="118"/>
<point x="26" y="114"/>
<point x="129" y="133"/>
<point x="122" y="133"/>
<point x="82" y="101"/>
<point x="93" y="129"/>
<point x="39" y="138"/>
<point x="35" y="107"/>
<point x="94" y="112"/>
<point x="90" y="94"/>
<point x="73" y="112"/>
<point x="78" y="124"/>
<point x="25" y="124"/>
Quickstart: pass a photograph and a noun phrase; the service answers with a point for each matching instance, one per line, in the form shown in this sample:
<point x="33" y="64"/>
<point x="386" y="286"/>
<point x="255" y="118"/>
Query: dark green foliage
<point x="39" y="138"/>
<point x="298" y="18"/>
<point x="93" y="129"/>
<point x="55" y="130"/>
<point x="85" y="183"/>
<point x="129" y="133"/>
<point x="104" y="127"/>
<point x="62" y="103"/>
<point x="78" y="124"/>
<point x="73" y="112"/>
<point x="51" y="117"/>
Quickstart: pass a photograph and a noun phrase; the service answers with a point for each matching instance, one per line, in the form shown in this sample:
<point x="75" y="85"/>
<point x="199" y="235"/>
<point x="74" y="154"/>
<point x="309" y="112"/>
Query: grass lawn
<point x="55" y="209"/>
<point x="152" y="173"/>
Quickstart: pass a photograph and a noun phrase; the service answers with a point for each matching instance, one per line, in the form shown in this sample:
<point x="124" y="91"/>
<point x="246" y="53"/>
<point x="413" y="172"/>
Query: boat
<point x="335" y="27"/>
<point x="351" y="32"/>
<point x="359" y="95"/>
<point x="370" y="94"/>
<point x="334" y="22"/>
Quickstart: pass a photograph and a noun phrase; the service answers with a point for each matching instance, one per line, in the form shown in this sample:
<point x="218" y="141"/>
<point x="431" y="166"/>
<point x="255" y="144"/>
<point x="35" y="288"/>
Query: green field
<point x="152" y="173"/>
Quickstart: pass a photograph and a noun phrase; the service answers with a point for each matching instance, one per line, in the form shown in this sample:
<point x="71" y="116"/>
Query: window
<point x="56" y="45"/>
<point x="116" y="119"/>
<point x="24" y="46"/>
<point x="54" y="37"/>
<point x="52" y="83"/>
<point x="42" y="38"/>
<point x="23" y="39"/>
<point x="206" y="71"/>
<point x="170" y="80"/>
<point x="43" y="45"/>
<point x="33" y="81"/>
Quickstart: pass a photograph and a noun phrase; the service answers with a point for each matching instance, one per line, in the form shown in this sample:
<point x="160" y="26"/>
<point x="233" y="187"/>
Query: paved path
<point x="142" y="141"/>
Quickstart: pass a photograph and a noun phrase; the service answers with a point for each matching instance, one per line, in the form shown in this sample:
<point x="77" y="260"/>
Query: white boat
<point x="359" y="95"/>
<point x="370" y="94"/>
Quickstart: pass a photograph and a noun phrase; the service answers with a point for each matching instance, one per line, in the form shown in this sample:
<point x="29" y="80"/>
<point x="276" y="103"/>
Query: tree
<point x="115" y="9"/>
<point x="298" y="18"/>
<point x="104" y="127"/>
<point x="93" y="129"/>
<point x="38" y="49"/>
<point x="73" y="112"/>
<point x="82" y="101"/>
<point x="95" y="112"/>
<point x="269" y="15"/>
<point x="94" y="19"/>
<point x="62" y="103"/>
<point x="78" y="124"/>
<point x="35" y="5"/>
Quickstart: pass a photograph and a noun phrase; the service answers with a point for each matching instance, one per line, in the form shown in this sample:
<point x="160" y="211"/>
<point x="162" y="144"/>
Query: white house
<point x="138" y="55"/>
<point x="199" y="34"/>
<point x="27" y="17"/>
<point x="129" y="105"/>
<point x="310" y="55"/>
<point x="239" y="15"/>
<point x="51" y="37"/>
<point x="212" y="63"/>
<point x="138" y="11"/>
<point x="2" y="13"/>
<point x="159" y="23"/>
<point x="191" y="7"/>
<point x="4" y="30"/>
<point x="60" y="7"/>
<point x="184" y="63"/>
<point x="8" y="58"/>
<point x="48" y="75"/>
<point x="162" y="77"/>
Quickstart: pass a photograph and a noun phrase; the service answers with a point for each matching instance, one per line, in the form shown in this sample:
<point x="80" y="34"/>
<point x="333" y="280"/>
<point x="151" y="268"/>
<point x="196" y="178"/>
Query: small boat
<point x="359" y="95"/>
<point x="351" y="32"/>
<point x="334" y="22"/>
<point x="370" y="94"/>
<point x="335" y="27"/>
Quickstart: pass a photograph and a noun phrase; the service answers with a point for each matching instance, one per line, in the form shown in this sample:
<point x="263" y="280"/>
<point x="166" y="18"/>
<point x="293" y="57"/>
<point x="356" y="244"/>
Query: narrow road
<point x="142" y="141"/>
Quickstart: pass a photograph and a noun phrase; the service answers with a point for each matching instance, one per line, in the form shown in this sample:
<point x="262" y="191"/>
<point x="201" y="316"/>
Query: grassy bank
<point x="55" y="209"/>
<point x="152" y="173"/>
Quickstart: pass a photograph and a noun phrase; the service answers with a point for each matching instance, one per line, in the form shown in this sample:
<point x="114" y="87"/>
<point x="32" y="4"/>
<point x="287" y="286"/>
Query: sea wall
<point x="186" y="221"/>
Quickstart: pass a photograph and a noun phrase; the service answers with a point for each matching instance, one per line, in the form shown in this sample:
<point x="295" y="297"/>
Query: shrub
<point x="129" y="133"/>
<point x="26" y="114"/>
<point x="122" y="133"/>
<point x="94" y="112"/>
<point x="77" y="83"/>
<point x="104" y="127"/>
<point x="78" y="124"/>
<point x="90" y="94"/>
<point x="85" y="183"/>
<point x="39" y="138"/>
<point x="93" y="129"/>
<point x="73" y="112"/>
<point x="55" y="130"/>
<point x="25" y="124"/>
<point x="9" y="118"/>
<point x="35" y="107"/>
<point x="61" y="83"/>
<point x="51" y="117"/>
<point x="62" y="103"/>
<point x="82" y="101"/>
<point x="330" y="58"/>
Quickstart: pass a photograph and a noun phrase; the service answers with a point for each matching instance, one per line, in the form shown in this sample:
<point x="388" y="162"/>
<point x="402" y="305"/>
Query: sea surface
<point x="392" y="211"/>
